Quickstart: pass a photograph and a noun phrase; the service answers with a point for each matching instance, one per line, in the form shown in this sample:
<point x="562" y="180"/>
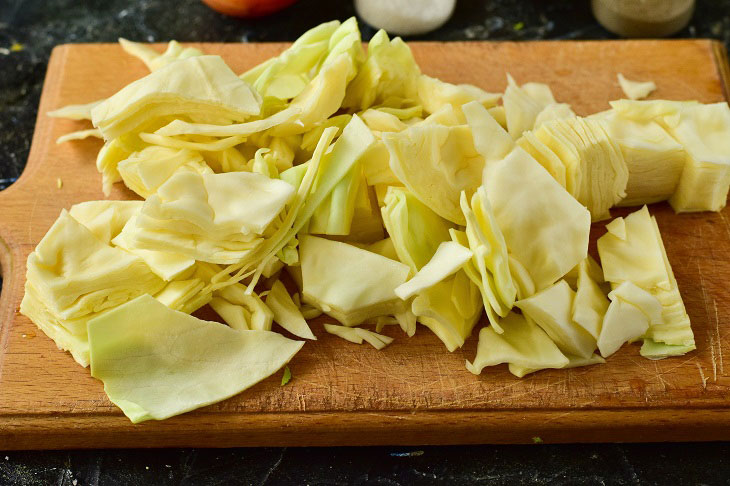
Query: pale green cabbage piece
<point x="105" y="219"/>
<point x="595" y="170"/>
<point x="389" y="71"/>
<point x="153" y="59"/>
<point x="623" y="322"/>
<point x="79" y="135"/>
<point x="522" y="344"/>
<point x="526" y="200"/>
<point x="376" y="166"/>
<point x="73" y="274"/>
<point x="349" y="283"/>
<point x="325" y="170"/>
<point x="357" y="335"/>
<point x="156" y="363"/>
<point x="490" y="253"/>
<point x="573" y="362"/>
<point x="319" y="100"/>
<point x="334" y="216"/>
<point x="145" y="171"/>
<point x="654" y="159"/>
<point x="632" y="250"/>
<point x="436" y="163"/>
<point x="705" y="181"/>
<point x="450" y="309"/>
<point x="202" y="85"/>
<point x="643" y="300"/>
<point x="486" y="286"/>
<point x="551" y="309"/>
<point x="447" y="260"/>
<point x="490" y="139"/>
<point x="218" y="218"/>
<point x="415" y="230"/>
<point x="287" y="75"/>
<point x="434" y="93"/>
<point x="521" y="109"/>
<point x="74" y="112"/>
<point x="286" y="312"/>
<point x="168" y="265"/>
<point x="181" y="127"/>
<point x="76" y="274"/>
<point x="654" y="350"/>
<point x="590" y="303"/>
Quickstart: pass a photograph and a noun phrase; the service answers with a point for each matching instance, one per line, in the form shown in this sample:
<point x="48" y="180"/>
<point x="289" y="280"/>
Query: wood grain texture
<point x="414" y="391"/>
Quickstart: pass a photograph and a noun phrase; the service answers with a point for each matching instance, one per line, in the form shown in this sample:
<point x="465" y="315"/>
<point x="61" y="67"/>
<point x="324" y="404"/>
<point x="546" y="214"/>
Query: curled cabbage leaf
<point x="522" y="344"/>
<point x="415" y="230"/>
<point x="447" y="260"/>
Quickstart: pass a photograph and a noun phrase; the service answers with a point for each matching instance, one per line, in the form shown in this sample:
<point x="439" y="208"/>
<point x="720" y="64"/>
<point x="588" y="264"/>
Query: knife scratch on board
<point x="719" y="338"/>
<point x="702" y="376"/>
<point x="712" y="356"/>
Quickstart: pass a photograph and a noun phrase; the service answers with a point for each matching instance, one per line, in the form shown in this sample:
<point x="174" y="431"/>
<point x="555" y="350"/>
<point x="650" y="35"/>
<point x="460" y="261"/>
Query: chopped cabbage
<point x="551" y="309"/>
<point x="522" y="344"/>
<point x="434" y="93"/>
<point x="389" y="71"/>
<point x="703" y="131"/>
<point x="635" y="90"/>
<point x="153" y="59"/>
<point x="447" y="260"/>
<point x="415" y="230"/>
<point x="349" y="283"/>
<point x="145" y="171"/>
<point x="156" y="362"/>
<point x="436" y="163"/>
<point x="623" y="322"/>
<point x="203" y="84"/>
<point x="450" y="309"/>
<point x="590" y="303"/>
<point x="526" y="200"/>
<point x="286" y="312"/>
<point x="357" y="335"/>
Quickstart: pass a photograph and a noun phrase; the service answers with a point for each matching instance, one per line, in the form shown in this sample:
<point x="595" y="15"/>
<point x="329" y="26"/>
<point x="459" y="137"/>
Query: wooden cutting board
<point x="414" y="391"/>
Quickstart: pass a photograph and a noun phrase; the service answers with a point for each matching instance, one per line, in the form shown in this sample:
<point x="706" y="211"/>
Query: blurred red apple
<point x="248" y="8"/>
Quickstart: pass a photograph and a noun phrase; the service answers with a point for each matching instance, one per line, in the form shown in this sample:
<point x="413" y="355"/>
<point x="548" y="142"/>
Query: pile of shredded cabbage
<point x="341" y="181"/>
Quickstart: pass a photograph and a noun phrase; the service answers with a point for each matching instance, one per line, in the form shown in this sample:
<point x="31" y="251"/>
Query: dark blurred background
<point x="29" y="29"/>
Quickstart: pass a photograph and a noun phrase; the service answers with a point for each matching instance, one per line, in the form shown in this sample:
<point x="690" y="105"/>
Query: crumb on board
<point x="59" y="183"/>
<point x="537" y="440"/>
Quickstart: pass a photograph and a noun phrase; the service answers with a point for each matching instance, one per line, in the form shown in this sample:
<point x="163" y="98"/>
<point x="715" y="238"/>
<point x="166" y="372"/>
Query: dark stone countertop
<point x="38" y="25"/>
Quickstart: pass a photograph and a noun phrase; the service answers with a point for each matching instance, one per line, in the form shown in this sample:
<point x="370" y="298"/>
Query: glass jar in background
<point x="643" y="18"/>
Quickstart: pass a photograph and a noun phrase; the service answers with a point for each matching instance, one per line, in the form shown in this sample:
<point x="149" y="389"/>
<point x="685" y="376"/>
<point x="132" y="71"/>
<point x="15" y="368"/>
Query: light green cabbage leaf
<point x="446" y="261"/>
<point x="551" y="309"/>
<point x="157" y="363"/>
<point x="286" y="312"/>
<point x="415" y="230"/>
<point x="349" y="283"/>
<point x="357" y="335"/>
<point x="436" y="163"/>
<point x="522" y="344"/>
<point x="197" y="85"/>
